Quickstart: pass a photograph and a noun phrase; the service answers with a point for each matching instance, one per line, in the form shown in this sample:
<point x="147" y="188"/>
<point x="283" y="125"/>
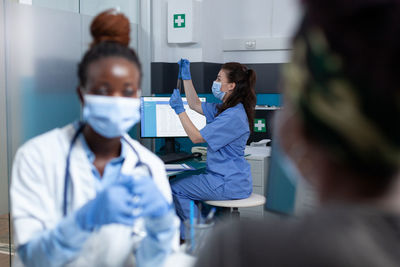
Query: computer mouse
<point x="196" y="155"/>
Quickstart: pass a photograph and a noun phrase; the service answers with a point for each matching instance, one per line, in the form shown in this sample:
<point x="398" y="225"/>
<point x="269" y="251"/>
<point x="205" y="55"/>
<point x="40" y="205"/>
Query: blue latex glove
<point x="176" y="102"/>
<point x="148" y="200"/>
<point x="112" y="205"/>
<point x="184" y="69"/>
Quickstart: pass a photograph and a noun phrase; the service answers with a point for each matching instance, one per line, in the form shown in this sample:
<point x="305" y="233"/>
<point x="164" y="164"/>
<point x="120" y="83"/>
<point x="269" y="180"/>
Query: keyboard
<point x="176" y="157"/>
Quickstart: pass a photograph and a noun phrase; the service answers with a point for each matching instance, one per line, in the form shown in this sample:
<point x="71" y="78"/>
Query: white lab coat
<point x="37" y="189"/>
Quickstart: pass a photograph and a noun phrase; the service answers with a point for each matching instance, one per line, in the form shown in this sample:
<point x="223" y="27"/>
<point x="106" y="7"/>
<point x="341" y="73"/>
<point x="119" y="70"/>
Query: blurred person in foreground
<point x="339" y="129"/>
<point x="87" y="194"/>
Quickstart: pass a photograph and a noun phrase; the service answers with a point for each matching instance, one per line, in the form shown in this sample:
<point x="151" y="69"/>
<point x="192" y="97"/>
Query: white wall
<point x="247" y="18"/>
<point x="263" y="21"/>
<point x="90" y="7"/>
<point x="226" y="20"/>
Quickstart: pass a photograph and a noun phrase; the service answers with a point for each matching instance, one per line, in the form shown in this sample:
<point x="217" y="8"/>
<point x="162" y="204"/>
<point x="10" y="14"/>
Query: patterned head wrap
<point x="337" y="110"/>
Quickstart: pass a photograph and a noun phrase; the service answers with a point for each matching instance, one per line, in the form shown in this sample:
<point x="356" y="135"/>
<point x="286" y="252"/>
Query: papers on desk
<point x="180" y="259"/>
<point x="178" y="167"/>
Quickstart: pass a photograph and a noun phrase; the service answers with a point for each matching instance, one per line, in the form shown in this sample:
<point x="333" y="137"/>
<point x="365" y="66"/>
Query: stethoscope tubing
<point x="67" y="176"/>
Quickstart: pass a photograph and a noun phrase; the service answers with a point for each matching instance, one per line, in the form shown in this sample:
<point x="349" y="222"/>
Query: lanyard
<point x="67" y="176"/>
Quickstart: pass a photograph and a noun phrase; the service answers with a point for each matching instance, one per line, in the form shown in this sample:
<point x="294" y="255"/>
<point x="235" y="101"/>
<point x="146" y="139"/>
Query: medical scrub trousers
<point x="194" y="188"/>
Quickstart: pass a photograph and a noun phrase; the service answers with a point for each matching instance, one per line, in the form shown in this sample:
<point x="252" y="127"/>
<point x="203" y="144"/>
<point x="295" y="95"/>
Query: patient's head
<point x="340" y="122"/>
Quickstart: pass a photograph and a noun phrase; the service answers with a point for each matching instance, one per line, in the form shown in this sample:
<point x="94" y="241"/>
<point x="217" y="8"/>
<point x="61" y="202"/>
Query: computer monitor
<point x="284" y="194"/>
<point x="280" y="190"/>
<point x="263" y="126"/>
<point x="159" y="120"/>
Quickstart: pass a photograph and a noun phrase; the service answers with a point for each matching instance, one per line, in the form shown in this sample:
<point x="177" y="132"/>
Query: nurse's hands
<point x="112" y="205"/>
<point x="148" y="200"/>
<point x="184" y="69"/>
<point x="176" y="102"/>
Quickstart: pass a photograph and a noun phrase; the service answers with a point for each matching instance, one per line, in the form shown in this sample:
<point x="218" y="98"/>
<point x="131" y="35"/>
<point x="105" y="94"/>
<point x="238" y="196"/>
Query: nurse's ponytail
<point x="110" y="31"/>
<point x="244" y="91"/>
<point x="252" y="79"/>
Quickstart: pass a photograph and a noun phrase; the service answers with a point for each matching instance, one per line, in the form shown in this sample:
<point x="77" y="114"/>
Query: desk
<point x="198" y="164"/>
<point x="180" y="259"/>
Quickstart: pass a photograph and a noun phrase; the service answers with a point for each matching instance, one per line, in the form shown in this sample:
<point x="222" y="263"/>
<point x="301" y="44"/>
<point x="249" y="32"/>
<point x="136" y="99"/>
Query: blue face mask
<point x="111" y="116"/>
<point x="216" y="90"/>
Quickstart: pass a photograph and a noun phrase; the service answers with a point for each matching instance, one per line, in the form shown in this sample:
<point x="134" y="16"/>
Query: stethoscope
<point x="67" y="176"/>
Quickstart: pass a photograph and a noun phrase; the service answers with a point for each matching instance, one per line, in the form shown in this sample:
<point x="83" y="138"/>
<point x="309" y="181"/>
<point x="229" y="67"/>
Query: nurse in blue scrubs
<point x="228" y="127"/>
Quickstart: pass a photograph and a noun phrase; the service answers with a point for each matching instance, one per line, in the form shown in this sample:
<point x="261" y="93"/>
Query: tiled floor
<point x="4" y="241"/>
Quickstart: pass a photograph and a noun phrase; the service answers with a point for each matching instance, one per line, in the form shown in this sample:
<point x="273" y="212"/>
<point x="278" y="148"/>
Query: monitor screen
<point x="263" y="119"/>
<point x="158" y="119"/>
<point x="285" y="194"/>
<point x="280" y="189"/>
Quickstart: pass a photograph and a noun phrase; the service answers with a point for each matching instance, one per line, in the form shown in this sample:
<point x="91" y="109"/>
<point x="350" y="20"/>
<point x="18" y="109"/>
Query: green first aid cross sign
<point x="260" y="126"/>
<point x="179" y="21"/>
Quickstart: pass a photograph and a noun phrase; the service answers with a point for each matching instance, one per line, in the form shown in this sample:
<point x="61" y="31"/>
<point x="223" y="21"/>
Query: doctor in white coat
<point x="87" y="194"/>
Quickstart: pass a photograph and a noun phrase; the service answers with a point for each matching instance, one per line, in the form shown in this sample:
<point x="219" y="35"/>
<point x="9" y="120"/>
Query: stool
<point x="253" y="200"/>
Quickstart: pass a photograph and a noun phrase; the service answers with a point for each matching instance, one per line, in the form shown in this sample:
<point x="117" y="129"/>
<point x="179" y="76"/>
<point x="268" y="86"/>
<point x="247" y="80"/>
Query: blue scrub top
<point x="226" y="136"/>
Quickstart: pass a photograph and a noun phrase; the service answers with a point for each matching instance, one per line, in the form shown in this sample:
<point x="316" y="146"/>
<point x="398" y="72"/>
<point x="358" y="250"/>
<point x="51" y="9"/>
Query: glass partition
<point x="128" y="7"/>
<point x="66" y="5"/>
<point x="5" y="241"/>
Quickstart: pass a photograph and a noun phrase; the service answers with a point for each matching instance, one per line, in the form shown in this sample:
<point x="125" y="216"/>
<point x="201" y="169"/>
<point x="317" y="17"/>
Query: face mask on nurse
<point x="222" y="87"/>
<point x="216" y="90"/>
<point x="111" y="104"/>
